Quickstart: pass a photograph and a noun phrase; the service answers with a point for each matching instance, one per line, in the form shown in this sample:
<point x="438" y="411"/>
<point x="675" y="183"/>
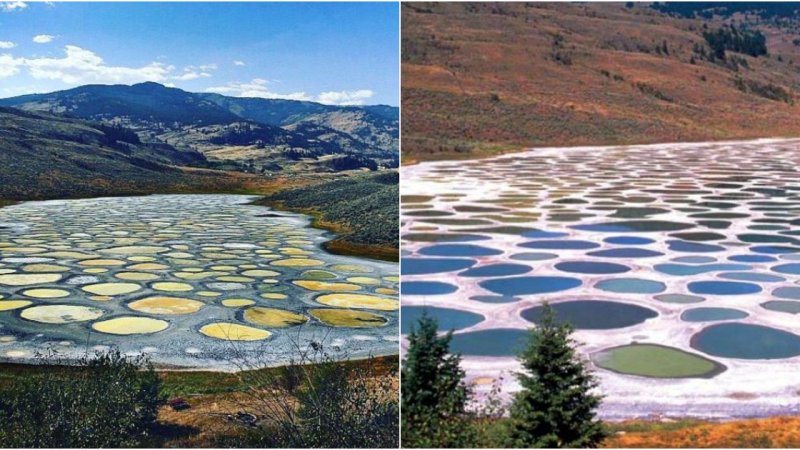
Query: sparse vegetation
<point x="769" y="91"/>
<point x="653" y="92"/>
<point x="315" y="401"/>
<point x="217" y="412"/>
<point x="707" y="10"/>
<point x="362" y="209"/>
<point x="550" y="65"/>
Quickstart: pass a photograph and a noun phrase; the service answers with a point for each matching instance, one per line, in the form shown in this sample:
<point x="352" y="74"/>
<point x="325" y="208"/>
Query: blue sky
<point x="337" y="53"/>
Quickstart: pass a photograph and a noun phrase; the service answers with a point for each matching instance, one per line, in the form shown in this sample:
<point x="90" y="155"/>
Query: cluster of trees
<point x="352" y="162"/>
<point x="556" y="407"/>
<point x="105" y="401"/>
<point x="366" y="206"/>
<point x="739" y="40"/>
<point x="119" y="133"/>
<point x="251" y="133"/>
<point x="707" y="10"/>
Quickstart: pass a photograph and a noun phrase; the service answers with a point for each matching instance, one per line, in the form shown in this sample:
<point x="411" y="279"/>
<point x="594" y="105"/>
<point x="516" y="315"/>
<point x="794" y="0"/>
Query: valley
<point x="98" y="141"/>
<point x="255" y="135"/>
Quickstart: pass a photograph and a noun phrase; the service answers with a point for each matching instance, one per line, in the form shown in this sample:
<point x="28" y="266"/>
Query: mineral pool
<point x="194" y="281"/>
<point x="678" y="266"/>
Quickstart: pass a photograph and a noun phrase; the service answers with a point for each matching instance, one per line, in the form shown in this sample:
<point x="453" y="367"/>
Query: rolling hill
<point x="45" y="156"/>
<point x="260" y="132"/>
<point x="486" y="78"/>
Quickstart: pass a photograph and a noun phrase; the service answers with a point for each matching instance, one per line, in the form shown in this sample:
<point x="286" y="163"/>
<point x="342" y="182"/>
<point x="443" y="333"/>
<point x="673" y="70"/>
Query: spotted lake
<point x="189" y="280"/>
<point x="678" y="265"/>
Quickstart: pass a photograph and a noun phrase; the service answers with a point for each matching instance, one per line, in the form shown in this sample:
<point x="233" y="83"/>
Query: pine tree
<point x="434" y="395"/>
<point x="555" y="407"/>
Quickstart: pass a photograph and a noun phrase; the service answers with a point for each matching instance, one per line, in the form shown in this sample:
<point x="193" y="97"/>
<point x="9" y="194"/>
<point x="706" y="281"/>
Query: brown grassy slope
<point x="44" y="156"/>
<point x="774" y="432"/>
<point x="483" y="78"/>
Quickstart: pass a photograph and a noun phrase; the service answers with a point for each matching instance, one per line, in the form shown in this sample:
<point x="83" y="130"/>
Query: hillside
<point x="261" y="132"/>
<point x="45" y="156"/>
<point x="362" y="210"/>
<point x="375" y="125"/>
<point x="485" y="78"/>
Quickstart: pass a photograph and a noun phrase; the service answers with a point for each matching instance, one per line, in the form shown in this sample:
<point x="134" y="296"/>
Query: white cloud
<point x="345" y="98"/>
<point x="191" y="76"/>
<point x="257" y="88"/>
<point x="193" y="73"/>
<point x="9" y="65"/>
<point x="238" y="63"/>
<point x="43" y="38"/>
<point x="12" y="6"/>
<point x="7" y="44"/>
<point x="80" y="66"/>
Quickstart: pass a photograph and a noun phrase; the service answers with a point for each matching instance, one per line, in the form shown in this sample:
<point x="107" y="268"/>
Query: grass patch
<point x="642" y="426"/>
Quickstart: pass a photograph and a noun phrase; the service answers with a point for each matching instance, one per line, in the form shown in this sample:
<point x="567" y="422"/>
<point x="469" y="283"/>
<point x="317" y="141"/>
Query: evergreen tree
<point x="434" y="395"/>
<point x="555" y="407"/>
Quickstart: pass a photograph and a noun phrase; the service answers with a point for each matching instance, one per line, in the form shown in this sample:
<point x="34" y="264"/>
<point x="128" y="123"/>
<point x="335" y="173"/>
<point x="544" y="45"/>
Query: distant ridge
<point x="268" y="134"/>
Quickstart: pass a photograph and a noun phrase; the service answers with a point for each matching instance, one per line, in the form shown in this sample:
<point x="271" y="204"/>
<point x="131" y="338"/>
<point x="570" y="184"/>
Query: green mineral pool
<point x="656" y="361"/>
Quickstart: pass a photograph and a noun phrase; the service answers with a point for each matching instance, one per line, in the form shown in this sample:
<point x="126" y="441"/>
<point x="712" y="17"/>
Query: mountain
<point x="377" y="126"/>
<point x="47" y="156"/>
<point x="486" y="78"/>
<point x="259" y="131"/>
<point x="145" y="102"/>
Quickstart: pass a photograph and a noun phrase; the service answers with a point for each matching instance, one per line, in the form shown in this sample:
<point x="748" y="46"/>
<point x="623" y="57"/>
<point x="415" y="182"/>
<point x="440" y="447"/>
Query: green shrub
<point x="318" y="400"/>
<point x="107" y="400"/>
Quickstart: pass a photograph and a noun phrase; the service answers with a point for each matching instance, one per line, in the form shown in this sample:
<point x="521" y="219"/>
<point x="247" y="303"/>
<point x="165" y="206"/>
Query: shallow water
<point x="186" y="279"/>
<point x="695" y="233"/>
